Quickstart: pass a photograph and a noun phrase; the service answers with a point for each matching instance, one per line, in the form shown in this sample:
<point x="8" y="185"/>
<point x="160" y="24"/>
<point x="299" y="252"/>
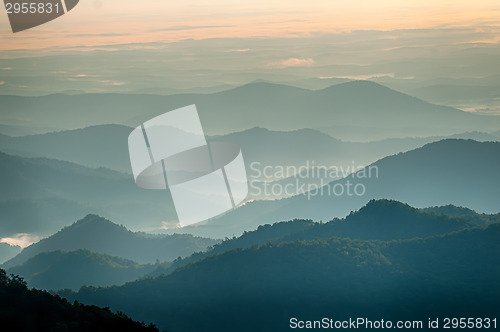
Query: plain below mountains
<point x="101" y="236"/>
<point x="360" y="103"/>
<point x="421" y="265"/>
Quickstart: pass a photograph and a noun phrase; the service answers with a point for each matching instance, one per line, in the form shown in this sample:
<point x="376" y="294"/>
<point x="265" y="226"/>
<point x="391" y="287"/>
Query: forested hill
<point x="22" y="309"/>
<point x="440" y="267"/>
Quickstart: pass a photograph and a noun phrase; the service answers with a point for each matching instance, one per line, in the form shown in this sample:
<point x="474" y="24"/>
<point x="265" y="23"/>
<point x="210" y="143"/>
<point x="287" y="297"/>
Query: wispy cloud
<point x="293" y="62"/>
<point x="241" y="50"/>
<point x="170" y="224"/>
<point x="22" y="239"/>
<point x="191" y="19"/>
<point x="113" y="83"/>
<point x="364" y="77"/>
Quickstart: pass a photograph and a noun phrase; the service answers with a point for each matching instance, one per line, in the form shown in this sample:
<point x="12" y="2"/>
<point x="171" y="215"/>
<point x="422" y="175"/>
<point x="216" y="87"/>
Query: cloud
<point x="22" y="239"/>
<point x="293" y="62"/>
<point x="6" y="68"/>
<point x="77" y="77"/>
<point x="170" y="224"/>
<point x="241" y="50"/>
<point x="112" y="83"/>
<point x="365" y="77"/>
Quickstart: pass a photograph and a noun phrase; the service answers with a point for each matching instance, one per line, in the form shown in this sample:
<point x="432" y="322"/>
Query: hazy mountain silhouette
<point x="479" y="219"/>
<point x="433" y="276"/>
<point x="23" y="309"/>
<point x="41" y="216"/>
<point x="17" y="130"/>
<point x="99" y="235"/>
<point x="278" y="107"/>
<point x="42" y="178"/>
<point x="476" y="136"/>
<point x="310" y="148"/>
<point x="7" y="251"/>
<point x="60" y="270"/>
<point x="106" y="146"/>
<point x="347" y="156"/>
<point x="457" y="94"/>
<point x="96" y="146"/>
<point x="458" y="172"/>
<point x="440" y="173"/>
<point x="33" y="186"/>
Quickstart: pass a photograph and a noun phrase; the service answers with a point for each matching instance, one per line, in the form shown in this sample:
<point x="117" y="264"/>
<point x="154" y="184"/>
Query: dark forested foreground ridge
<point x="22" y="309"/>
<point x="387" y="261"/>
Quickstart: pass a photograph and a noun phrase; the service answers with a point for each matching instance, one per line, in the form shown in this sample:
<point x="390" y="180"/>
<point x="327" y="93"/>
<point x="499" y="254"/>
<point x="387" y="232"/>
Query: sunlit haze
<point x="98" y="22"/>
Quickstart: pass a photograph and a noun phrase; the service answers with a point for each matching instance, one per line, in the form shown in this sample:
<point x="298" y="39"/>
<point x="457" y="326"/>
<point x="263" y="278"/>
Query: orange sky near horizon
<point x="95" y="23"/>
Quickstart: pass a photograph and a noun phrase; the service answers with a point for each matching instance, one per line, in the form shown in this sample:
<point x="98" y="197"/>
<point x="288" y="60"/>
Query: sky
<point x="108" y="22"/>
